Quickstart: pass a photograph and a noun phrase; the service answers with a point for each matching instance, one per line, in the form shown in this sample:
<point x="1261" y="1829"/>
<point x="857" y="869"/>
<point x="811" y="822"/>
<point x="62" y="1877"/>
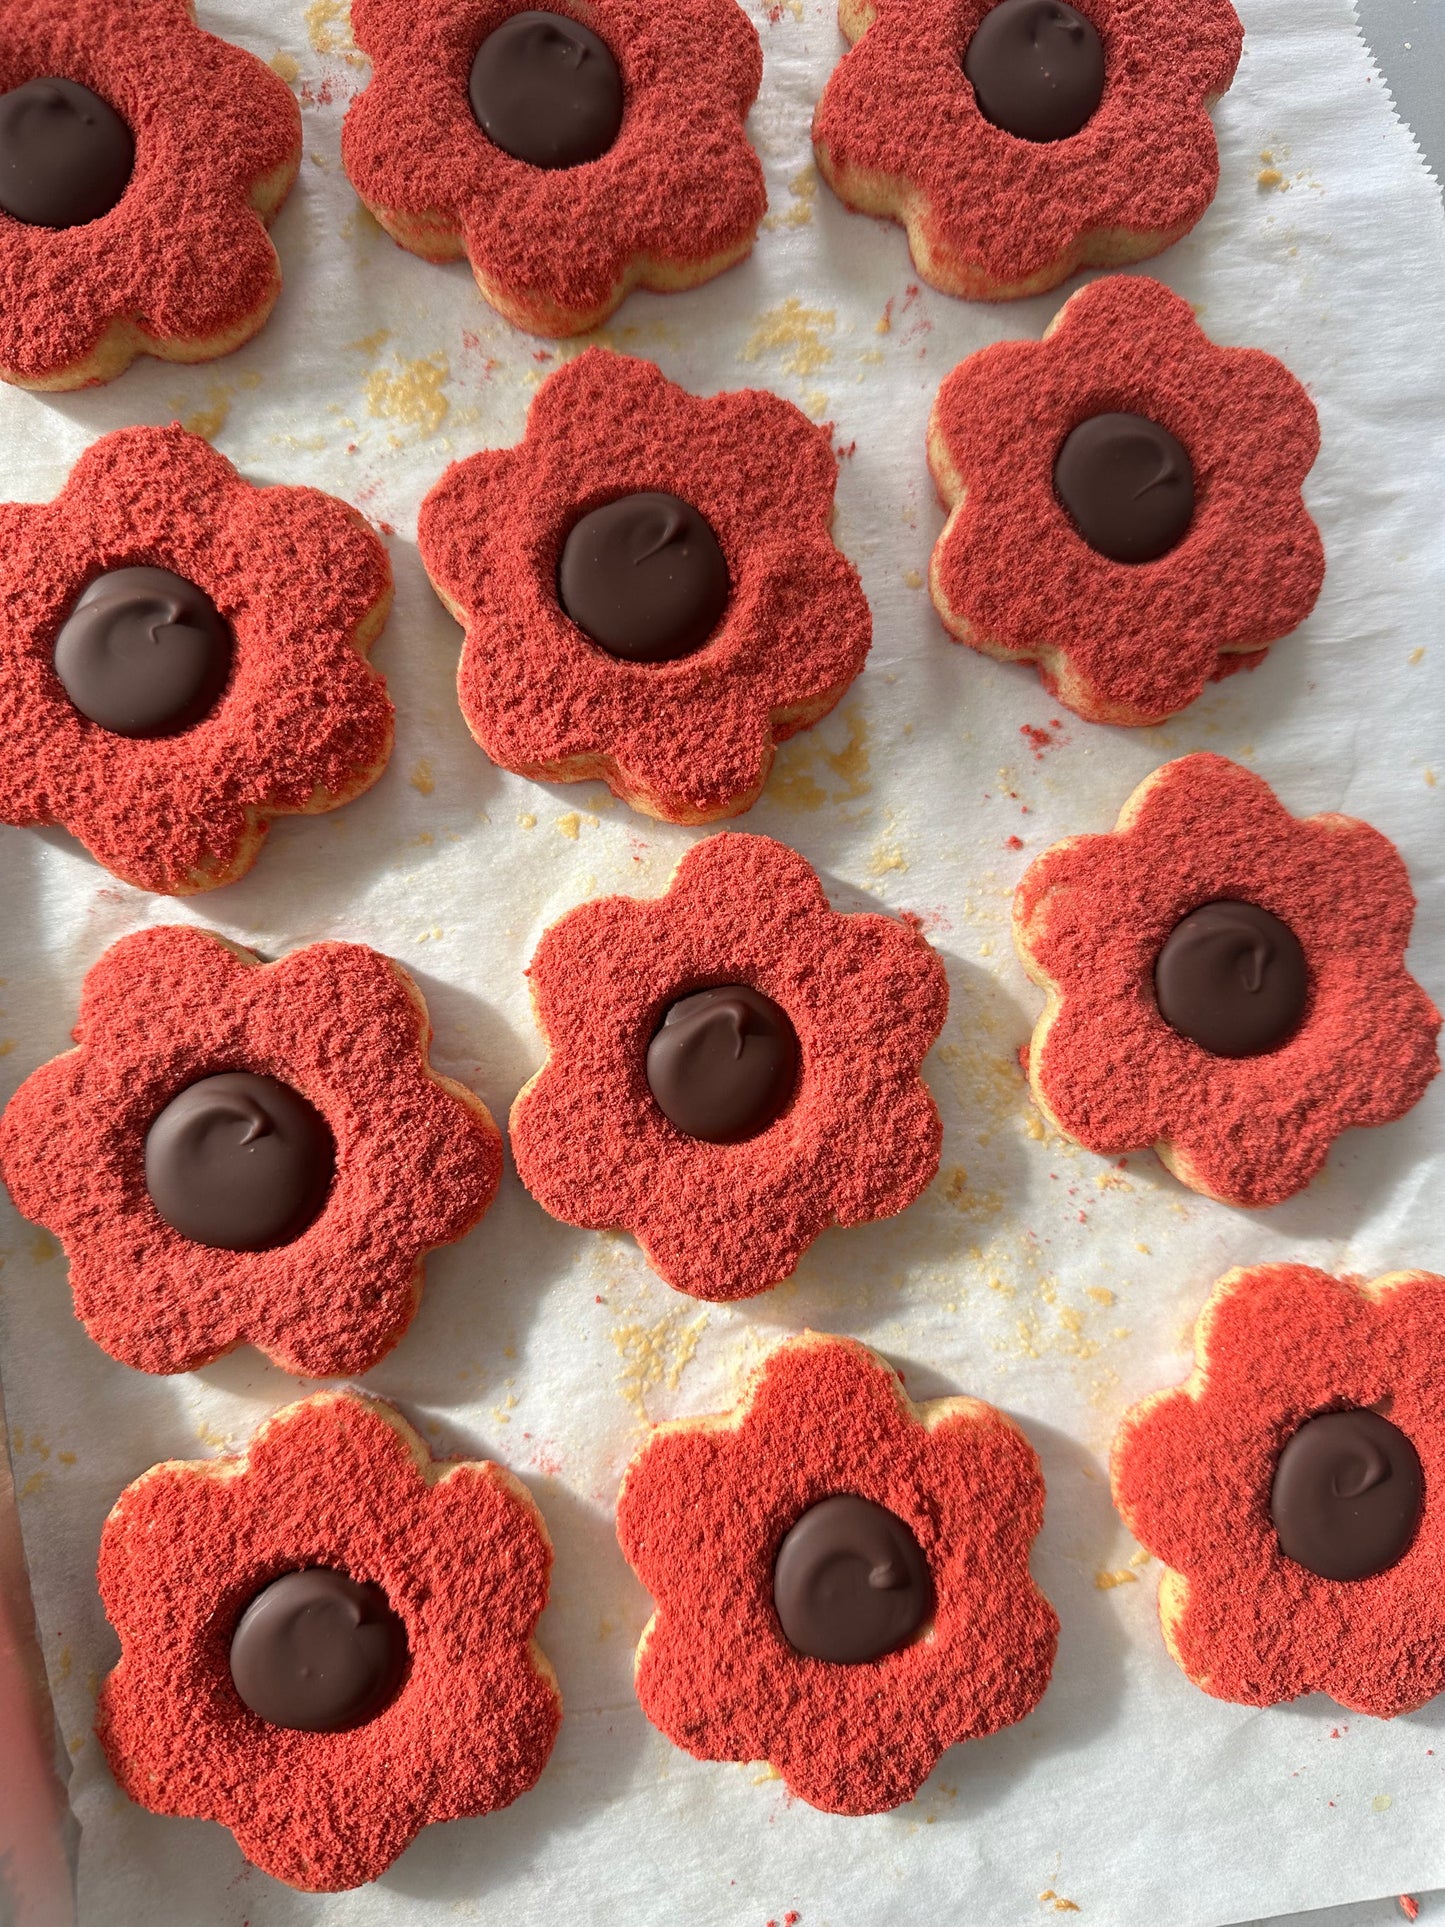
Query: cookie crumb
<point x="422" y="779"/>
<point x="1268" y="177"/>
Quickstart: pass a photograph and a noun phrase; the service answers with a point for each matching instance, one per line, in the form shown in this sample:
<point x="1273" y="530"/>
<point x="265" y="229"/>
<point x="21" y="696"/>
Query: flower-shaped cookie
<point x="902" y="131"/>
<point x="241" y="1153"/>
<point x="1195" y="549"/>
<point x="840" y="1578"/>
<point x="666" y="194"/>
<point x="689" y="738"/>
<point x="326" y="1643"/>
<point x="726" y="1131"/>
<point x="140" y="161"/>
<point x="1294" y="1489"/>
<point x="1226" y="982"/>
<point x="178" y="729"/>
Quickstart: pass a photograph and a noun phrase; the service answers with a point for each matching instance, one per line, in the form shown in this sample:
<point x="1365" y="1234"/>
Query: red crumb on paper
<point x="1409" y="1907"/>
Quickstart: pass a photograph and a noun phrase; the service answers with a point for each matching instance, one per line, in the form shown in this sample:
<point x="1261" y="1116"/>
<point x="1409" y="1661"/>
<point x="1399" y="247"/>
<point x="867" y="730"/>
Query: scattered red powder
<point x="701" y="1512"/>
<point x="418" y="1159"/>
<point x="463" y="1558"/>
<point x="867" y="997"/>
<point x="898" y="128"/>
<point x="1193" y="1468"/>
<point x="1014" y="578"/>
<point x="690" y="740"/>
<point x="1091" y="916"/>
<point x="1013" y="843"/>
<point x="304" y="724"/>
<point x="184" y="256"/>
<point x="557" y="250"/>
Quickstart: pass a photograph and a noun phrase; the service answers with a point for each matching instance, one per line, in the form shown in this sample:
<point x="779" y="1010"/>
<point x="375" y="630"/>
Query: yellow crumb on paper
<point x="1268" y="177"/>
<point x="526" y="820"/>
<point x="1140" y="1558"/>
<point x="1417" y="655"/>
<point x="411" y="393"/>
<point x="654" y="1355"/>
<point x="1429" y="777"/>
<point x="887" y="856"/>
<point x="7" y="1044"/>
<point x="286" y="65"/>
<point x="803" y="190"/>
<point x="1058" y="1903"/>
<point x="1100" y="1294"/>
<point x="371" y="344"/>
<point x="422" y="779"/>
<point x="570" y="825"/>
<point x="1382" y="1803"/>
<point x="794" y="332"/>
<point x="1106" y="1581"/>
<point x="208" y="422"/>
<point x="913" y="578"/>
<point x="328" y="28"/>
<point x="793" y="783"/>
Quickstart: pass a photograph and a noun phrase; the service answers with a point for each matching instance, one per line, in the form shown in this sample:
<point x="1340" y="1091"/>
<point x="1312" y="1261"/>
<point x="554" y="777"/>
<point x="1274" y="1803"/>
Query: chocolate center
<point x="850" y="1582"/>
<point x="724" y="1064"/>
<point x="644" y="578"/>
<point x="1127" y="485"/>
<point x="65" y="155"/>
<point x="1037" y="69"/>
<point x="1347" y="1496"/>
<point x="239" y="1163"/>
<point x="144" y="653"/>
<point x="1232" y="979"/>
<point x="318" y="1653"/>
<point x="546" y="90"/>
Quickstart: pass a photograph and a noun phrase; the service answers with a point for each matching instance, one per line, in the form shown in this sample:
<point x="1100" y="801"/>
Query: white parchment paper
<point x="1046" y="1280"/>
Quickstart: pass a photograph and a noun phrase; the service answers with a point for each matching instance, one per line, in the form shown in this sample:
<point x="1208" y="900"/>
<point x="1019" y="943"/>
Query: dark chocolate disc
<point x="1347" y="1496"/>
<point x="850" y="1582"/>
<point x="317" y="1652"/>
<point x="644" y="578"/>
<point x="65" y="155"/>
<point x="1233" y="979"/>
<point x="1127" y="485"/>
<point x="1037" y="69"/>
<point x="546" y="90"/>
<point x="144" y="653"/>
<point x="239" y="1163"/>
<point x="724" y="1064"/>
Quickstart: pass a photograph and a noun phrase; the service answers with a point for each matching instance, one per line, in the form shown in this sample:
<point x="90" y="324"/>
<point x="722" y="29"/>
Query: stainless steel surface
<point x="1407" y="38"/>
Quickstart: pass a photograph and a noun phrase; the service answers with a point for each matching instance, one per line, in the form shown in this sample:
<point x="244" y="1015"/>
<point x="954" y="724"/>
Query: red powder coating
<point x="865" y="994"/>
<point x="463" y="1557"/>
<point x="182" y="257"/>
<point x="304" y="723"/>
<point x="1127" y="643"/>
<point x="1193" y="1468"/>
<point x="1091" y="916"/>
<point x="702" y="1510"/>
<point x="680" y="186"/>
<point x="898" y="131"/>
<point x="418" y="1159"/>
<point x="691" y="739"/>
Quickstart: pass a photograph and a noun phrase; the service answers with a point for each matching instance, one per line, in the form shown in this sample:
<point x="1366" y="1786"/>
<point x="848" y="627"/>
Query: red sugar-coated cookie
<point x="1124" y="642"/>
<point x="463" y="1558"/>
<point x="689" y="740"/>
<point x="703" y="1508"/>
<point x="1091" y="917"/>
<point x="418" y="1157"/>
<point x="674" y="201"/>
<point x="1193" y="1471"/>
<point x="990" y="216"/>
<point x="860" y="1138"/>
<point x="303" y="725"/>
<point x="181" y="267"/>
